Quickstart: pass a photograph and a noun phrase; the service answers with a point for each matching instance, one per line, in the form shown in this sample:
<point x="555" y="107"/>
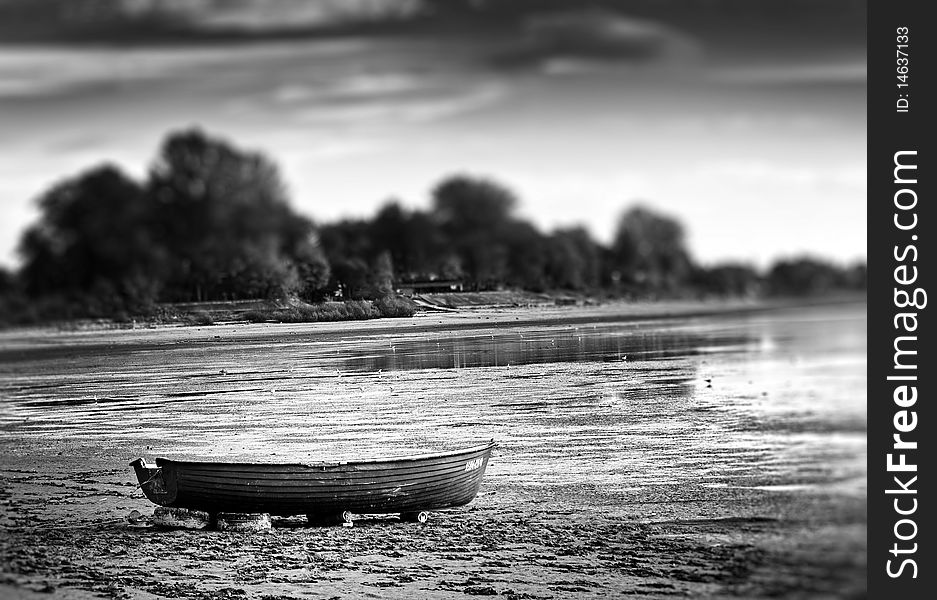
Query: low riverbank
<point x="202" y="314"/>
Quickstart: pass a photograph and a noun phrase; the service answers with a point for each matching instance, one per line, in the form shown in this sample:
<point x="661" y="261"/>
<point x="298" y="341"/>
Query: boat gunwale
<point x="160" y="461"/>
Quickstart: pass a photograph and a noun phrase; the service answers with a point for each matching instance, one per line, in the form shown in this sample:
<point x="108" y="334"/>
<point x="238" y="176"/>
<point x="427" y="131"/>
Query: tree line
<point x="213" y="222"/>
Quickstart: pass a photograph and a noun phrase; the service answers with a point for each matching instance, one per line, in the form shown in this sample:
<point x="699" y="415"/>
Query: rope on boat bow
<point x="152" y="477"/>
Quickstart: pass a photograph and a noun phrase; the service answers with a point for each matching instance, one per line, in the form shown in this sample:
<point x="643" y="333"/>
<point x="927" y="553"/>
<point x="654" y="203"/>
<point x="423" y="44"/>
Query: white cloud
<point x="261" y="15"/>
<point x="43" y="71"/>
<point x="830" y="73"/>
<point x="359" y="86"/>
<point x="409" y="109"/>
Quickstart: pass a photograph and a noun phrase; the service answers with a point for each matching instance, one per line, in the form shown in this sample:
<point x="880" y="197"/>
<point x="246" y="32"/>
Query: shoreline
<point x="425" y="321"/>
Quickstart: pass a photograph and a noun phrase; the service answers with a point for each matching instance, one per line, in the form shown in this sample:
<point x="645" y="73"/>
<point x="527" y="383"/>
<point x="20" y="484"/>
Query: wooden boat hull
<point x="401" y="485"/>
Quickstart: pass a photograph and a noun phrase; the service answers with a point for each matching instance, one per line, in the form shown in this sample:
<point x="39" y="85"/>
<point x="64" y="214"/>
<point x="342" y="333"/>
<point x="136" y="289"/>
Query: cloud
<point x="412" y="108"/>
<point x="388" y="93"/>
<point x="147" y="21"/>
<point x="357" y="86"/>
<point x="841" y="72"/>
<point x="26" y="72"/>
<point x="46" y="71"/>
<point x="589" y="36"/>
<point x="546" y="29"/>
<point x="280" y="15"/>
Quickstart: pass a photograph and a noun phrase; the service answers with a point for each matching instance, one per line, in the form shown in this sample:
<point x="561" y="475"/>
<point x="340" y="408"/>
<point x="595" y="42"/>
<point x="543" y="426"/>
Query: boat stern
<point x="156" y="486"/>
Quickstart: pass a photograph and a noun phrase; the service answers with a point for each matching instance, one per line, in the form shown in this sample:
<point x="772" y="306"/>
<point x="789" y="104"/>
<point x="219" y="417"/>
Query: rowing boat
<point x="407" y="485"/>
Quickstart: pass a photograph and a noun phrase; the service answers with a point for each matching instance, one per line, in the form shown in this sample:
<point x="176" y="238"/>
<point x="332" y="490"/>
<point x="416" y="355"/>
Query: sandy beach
<point x="653" y="451"/>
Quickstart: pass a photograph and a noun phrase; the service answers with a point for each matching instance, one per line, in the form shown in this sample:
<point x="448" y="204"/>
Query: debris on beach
<point x="180" y="518"/>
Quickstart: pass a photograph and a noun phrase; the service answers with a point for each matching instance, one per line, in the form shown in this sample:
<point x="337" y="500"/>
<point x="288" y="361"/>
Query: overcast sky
<point x="746" y="123"/>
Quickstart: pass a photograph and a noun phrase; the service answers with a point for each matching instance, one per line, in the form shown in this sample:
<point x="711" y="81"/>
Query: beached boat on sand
<point x="322" y="491"/>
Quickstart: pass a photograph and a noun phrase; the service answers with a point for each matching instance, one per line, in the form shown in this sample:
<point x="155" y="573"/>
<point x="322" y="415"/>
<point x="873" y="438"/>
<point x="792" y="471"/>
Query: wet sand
<point x="653" y="457"/>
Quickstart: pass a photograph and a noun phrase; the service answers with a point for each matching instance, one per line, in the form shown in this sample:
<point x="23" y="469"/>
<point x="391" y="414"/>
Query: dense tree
<point x="303" y="251"/>
<point x="413" y="238"/>
<point x="8" y="281"/>
<point x="574" y="259"/>
<point x="382" y="276"/>
<point x="93" y="237"/>
<point x="225" y="217"/>
<point x="527" y="256"/>
<point x="727" y="279"/>
<point x="474" y="215"/>
<point x="464" y="203"/>
<point x="347" y="238"/>
<point x="804" y="276"/>
<point x="311" y="267"/>
<point x="649" y="250"/>
<point x="212" y="222"/>
<point x="451" y="268"/>
<point x="348" y="246"/>
<point x="351" y="277"/>
<point x="856" y="276"/>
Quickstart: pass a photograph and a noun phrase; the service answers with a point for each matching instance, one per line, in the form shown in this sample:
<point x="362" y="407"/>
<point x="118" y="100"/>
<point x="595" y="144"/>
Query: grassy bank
<point x="352" y="310"/>
<point x="211" y="313"/>
<point x="199" y="314"/>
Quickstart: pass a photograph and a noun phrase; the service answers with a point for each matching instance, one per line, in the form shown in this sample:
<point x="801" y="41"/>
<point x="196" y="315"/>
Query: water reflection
<point x="607" y="343"/>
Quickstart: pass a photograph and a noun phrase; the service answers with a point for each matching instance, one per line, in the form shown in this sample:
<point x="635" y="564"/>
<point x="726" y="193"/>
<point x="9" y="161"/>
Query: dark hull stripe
<point x="312" y="492"/>
<point x="316" y="479"/>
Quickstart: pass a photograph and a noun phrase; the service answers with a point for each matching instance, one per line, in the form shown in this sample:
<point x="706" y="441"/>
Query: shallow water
<point x="768" y="399"/>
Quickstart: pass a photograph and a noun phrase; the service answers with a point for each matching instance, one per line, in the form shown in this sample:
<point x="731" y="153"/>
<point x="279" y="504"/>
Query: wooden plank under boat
<point x="406" y="485"/>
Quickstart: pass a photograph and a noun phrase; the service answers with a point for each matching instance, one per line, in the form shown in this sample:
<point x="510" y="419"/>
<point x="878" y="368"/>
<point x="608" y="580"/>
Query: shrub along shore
<point x="259" y="311"/>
